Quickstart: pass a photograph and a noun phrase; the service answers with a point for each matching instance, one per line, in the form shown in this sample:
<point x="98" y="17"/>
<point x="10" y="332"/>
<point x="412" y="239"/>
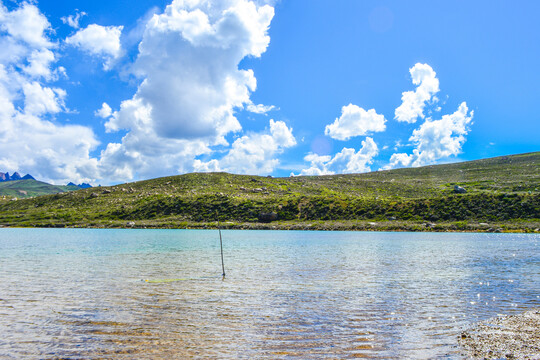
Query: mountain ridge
<point x="80" y="186"/>
<point x="15" y="176"/>
<point x="27" y="188"/>
<point x="14" y="186"/>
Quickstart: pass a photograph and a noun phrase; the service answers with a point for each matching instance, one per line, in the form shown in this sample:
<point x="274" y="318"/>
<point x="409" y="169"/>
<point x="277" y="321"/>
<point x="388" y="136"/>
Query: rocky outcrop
<point x="459" y="190"/>
<point x="268" y="216"/>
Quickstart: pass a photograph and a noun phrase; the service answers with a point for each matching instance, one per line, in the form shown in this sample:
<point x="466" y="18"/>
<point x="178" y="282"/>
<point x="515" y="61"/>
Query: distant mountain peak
<point x="15" y="176"/>
<point x="81" y="186"/>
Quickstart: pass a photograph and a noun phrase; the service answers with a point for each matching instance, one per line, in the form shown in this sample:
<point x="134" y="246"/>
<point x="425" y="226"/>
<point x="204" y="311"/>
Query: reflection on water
<point x="81" y="293"/>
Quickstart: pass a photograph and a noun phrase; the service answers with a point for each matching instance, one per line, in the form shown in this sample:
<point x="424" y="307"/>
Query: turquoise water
<point x="71" y="293"/>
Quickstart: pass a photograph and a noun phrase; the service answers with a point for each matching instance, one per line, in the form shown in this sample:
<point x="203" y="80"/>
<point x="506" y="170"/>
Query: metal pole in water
<point x="221" y="246"/>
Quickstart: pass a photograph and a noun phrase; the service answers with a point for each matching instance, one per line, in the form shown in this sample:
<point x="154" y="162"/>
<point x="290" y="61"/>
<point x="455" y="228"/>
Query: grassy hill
<point x="502" y="195"/>
<point x="31" y="188"/>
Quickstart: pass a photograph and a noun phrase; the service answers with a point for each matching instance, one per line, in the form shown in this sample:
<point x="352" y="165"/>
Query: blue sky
<point x="115" y="91"/>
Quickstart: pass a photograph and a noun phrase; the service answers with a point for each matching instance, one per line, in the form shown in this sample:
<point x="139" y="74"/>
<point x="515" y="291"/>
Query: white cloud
<point x="260" y="108"/>
<point x="413" y="102"/>
<point x="191" y="86"/>
<point x="103" y="41"/>
<point x="24" y="41"/>
<point x="436" y="139"/>
<point x="29" y="143"/>
<point x="253" y="153"/>
<point x="49" y="151"/>
<point x="346" y="161"/>
<point x="399" y="160"/>
<point x="189" y="59"/>
<point x="104" y="112"/>
<point x="355" y="121"/>
<point x="143" y="153"/>
<point x="7" y="94"/>
<point x="440" y="139"/>
<point x="26" y="24"/>
<point x="133" y="115"/>
<point x="40" y="62"/>
<point x="73" y="21"/>
<point x="40" y="100"/>
<point x="134" y="35"/>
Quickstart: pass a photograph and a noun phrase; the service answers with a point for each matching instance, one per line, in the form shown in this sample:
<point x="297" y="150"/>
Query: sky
<point x="115" y="91"/>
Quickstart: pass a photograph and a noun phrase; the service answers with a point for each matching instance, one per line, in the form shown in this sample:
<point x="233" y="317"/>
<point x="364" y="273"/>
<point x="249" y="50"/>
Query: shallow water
<point x="68" y="293"/>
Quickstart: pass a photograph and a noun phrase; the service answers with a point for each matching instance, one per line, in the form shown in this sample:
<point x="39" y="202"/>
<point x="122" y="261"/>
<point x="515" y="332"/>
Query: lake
<point x="73" y="293"/>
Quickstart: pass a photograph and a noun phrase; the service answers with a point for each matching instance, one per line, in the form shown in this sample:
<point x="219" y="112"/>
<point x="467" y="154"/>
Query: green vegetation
<point x="502" y="195"/>
<point x="30" y="188"/>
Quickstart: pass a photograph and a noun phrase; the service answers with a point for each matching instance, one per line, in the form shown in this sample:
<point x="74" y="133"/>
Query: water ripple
<point x="81" y="294"/>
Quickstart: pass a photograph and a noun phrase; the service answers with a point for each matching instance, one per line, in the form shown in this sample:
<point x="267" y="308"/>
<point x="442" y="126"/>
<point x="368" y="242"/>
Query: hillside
<point x="502" y="195"/>
<point x="31" y="188"/>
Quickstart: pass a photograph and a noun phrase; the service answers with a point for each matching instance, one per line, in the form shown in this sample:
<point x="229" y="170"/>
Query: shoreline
<point x="315" y="225"/>
<point x="504" y="337"/>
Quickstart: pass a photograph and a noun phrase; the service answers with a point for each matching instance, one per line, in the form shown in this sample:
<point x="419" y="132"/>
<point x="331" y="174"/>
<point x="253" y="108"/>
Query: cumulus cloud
<point x="436" y="139"/>
<point x="189" y="60"/>
<point x="39" y="64"/>
<point x="39" y="100"/>
<point x="399" y="160"/>
<point x="49" y="151"/>
<point x="102" y="41"/>
<point x="26" y="24"/>
<point x="24" y="40"/>
<point x="191" y="85"/>
<point x="30" y="141"/>
<point x="355" y="121"/>
<point x="442" y="138"/>
<point x="104" y="112"/>
<point x="347" y="161"/>
<point x="414" y="102"/>
<point x="142" y="154"/>
<point x="253" y="153"/>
